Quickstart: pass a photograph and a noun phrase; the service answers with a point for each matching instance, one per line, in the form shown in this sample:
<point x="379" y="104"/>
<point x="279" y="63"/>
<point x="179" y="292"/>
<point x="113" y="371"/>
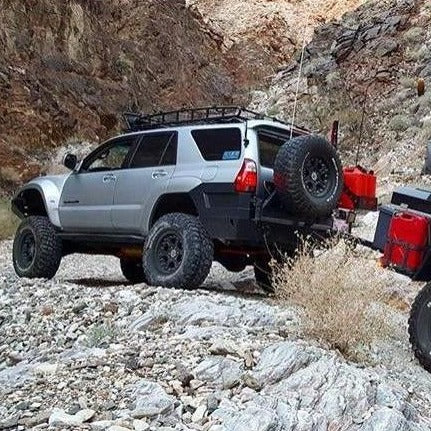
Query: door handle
<point x="109" y="178"/>
<point x="159" y="174"/>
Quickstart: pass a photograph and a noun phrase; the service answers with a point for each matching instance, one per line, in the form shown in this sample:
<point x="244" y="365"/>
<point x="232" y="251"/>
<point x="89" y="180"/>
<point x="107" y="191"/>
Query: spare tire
<point x="308" y="176"/>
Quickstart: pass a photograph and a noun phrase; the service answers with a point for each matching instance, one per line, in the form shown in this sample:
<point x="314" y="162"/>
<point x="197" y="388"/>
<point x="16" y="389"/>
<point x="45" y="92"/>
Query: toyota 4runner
<point x="179" y="190"/>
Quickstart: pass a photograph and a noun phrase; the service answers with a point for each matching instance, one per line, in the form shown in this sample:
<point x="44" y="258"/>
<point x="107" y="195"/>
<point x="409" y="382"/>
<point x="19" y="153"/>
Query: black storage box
<point x="413" y="198"/>
<point x="382" y="229"/>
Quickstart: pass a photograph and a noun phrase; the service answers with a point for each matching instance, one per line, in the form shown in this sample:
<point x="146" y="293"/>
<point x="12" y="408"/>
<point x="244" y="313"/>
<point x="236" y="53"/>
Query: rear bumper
<point x="226" y="214"/>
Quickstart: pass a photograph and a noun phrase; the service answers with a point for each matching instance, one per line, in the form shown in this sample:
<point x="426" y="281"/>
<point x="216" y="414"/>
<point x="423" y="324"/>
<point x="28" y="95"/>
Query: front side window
<point x="109" y="157"/>
<point x="156" y="149"/>
<point x="218" y="144"/>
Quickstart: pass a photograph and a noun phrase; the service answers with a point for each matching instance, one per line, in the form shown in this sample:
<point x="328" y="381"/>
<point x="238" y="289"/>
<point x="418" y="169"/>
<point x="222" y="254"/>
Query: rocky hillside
<point x="367" y="63"/>
<point x="70" y="68"/>
<point x="265" y="34"/>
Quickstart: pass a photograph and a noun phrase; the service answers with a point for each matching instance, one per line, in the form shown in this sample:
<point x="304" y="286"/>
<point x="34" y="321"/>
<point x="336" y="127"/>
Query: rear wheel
<point x="178" y="252"/>
<point x="420" y="327"/>
<point x="133" y="271"/>
<point x="37" y="249"/>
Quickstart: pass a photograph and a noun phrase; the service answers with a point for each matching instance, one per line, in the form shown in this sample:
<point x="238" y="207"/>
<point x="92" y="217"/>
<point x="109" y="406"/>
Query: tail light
<point x="246" y="180"/>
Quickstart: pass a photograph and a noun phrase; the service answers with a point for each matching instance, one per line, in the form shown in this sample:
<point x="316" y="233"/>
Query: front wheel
<point x="178" y="252"/>
<point x="420" y="327"/>
<point x="37" y="249"/>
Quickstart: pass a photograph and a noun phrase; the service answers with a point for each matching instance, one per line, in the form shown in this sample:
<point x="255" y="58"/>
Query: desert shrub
<point x="413" y="34"/>
<point x="408" y="82"/>
<point x="274" y="111"/>
<point x="8" y="220"/>
<point x="399" y="123"/>
<point x="101" y="335"/>
<point x="339" y="296"/>
<point x="9" y="174"/>
<point x="418" y="53"/>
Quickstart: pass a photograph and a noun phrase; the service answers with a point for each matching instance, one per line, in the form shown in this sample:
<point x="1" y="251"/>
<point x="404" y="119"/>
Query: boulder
<point x="151" y="400"/>
<point x="218" y="369"/>
<point x="280" y="360"/>
<point x="60" y="418"/>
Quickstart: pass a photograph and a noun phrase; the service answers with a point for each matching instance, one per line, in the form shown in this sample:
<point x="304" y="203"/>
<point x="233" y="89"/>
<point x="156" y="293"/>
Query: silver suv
<point x="177" y="191"/>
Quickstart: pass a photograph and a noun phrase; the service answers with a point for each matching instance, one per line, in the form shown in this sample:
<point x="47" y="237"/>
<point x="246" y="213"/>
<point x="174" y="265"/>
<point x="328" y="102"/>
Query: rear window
<point x="268" y="148"/>
<point x="218" y="144"/>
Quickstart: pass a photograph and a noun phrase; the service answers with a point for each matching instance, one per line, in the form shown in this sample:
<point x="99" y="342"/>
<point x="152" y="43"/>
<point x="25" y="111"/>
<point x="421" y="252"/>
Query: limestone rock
<point x="151" y="400"/>
<point x="221" y="370"/>
<point x="60" y="418"/>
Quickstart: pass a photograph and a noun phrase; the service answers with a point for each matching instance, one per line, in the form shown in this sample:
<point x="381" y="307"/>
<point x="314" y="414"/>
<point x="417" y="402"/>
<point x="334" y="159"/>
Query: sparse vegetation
<point x="340" y="305"/>
<point x="417" y="53"/>
<point x="399" y="123"/>
<point x="413" y="34"/>
<point x="8" y="221"/>
<point x="101" y="335"/>
<point x="8" y="174"/>
<point x="408" y="82"/>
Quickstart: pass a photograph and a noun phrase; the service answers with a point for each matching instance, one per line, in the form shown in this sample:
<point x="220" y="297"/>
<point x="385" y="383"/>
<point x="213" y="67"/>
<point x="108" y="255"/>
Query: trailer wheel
<point x="420" y="327"/>
<point x="308" y="176"/>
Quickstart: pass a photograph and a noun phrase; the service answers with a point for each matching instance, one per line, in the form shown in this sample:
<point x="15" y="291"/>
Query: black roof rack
<point x="209" y="115"/>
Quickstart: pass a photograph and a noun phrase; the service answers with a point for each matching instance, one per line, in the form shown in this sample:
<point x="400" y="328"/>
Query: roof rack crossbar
<point x="208" y="115"/>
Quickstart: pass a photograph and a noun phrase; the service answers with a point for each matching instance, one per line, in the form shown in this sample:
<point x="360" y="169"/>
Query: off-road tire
<point x="197" y="252"/>
<point x="133" y="271"/>
<point x="46" y="250"/>
<point x="420" y="327"/>
<point x="294" y="176"/>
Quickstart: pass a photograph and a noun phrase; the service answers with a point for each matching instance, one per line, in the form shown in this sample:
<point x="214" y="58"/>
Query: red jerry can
<point x="407" y="240"/>
<point x="359" y="189"/>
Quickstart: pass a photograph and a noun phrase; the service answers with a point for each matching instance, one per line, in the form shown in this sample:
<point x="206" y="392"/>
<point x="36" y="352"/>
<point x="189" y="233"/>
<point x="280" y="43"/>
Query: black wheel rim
<point x="27" y="249"/>
<point x="316" y="176"/>
<point x="169" y="252"/>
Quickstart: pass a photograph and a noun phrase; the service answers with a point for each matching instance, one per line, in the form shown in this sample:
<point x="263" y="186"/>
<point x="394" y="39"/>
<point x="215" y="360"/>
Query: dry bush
<point x="9" y="174"/>
<point x="8" y="221"/>
<point x="340" y="296"/>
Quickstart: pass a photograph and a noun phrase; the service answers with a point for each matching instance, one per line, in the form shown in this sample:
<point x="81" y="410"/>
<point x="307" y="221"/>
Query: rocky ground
<point x="88" y="351"/>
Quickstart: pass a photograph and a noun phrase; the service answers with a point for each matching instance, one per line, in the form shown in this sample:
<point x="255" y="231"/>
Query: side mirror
<point x="70" y="161"/>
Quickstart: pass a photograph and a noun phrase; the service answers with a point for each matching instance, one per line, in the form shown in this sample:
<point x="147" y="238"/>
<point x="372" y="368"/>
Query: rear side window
<point x="268" y="149"/>
<point x="218" y="144"/>
<point x="157" y="149"/>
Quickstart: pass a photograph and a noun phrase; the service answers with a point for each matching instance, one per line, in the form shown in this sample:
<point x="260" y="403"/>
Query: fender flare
<point x="50" y="195"/>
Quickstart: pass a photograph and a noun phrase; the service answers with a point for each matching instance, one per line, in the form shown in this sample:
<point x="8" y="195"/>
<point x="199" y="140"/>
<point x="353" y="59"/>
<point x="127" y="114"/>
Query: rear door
<point x="87" y="197"/>
<point x="145" y="179"/>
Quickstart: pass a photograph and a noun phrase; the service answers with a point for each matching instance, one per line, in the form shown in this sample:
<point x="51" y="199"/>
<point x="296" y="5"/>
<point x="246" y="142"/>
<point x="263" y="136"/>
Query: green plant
<point x="413" y="34"/>
<point x="101" y="335"/>
<point x="399" y="123"/>
<point x="417" y="54"/>
<point x="338" y="305"/>
<point x="122" y="65"/>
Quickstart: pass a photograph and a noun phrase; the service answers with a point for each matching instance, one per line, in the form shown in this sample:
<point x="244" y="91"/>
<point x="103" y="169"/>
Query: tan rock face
<point x="69" y="69"/>
<point x="267" y="32"/>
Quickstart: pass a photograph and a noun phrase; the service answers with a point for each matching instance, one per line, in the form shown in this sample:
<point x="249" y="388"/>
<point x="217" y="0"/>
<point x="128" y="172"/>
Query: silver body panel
<point x="122" y="201"/>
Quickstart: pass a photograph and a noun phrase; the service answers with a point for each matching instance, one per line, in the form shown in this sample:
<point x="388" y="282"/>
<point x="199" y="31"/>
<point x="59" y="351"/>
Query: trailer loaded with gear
<point x="403" y="237"/>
